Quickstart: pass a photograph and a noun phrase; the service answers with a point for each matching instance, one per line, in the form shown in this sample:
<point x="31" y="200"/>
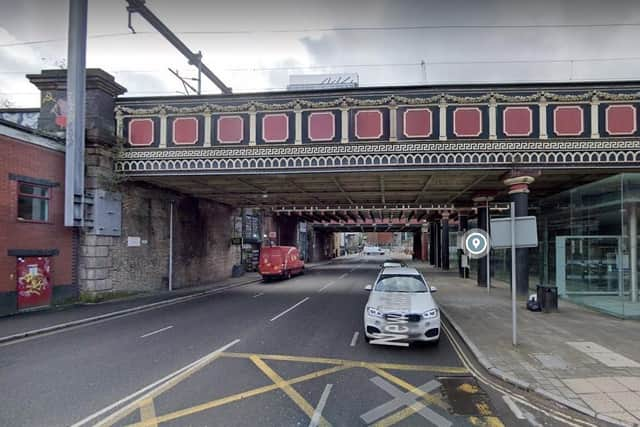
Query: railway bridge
<point x="190" y="173"/>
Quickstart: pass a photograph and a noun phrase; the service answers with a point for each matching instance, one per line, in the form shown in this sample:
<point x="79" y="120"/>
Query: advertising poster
<point x="34" y="282"/>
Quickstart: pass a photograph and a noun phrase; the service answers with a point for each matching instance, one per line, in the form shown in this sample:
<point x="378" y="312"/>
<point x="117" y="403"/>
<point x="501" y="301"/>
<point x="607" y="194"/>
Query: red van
<point x="280" y="261"/>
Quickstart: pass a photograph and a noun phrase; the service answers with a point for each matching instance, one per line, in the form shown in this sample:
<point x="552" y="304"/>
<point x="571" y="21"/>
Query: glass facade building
<point x="588" y="240"/>
<point x="588" y="244"/>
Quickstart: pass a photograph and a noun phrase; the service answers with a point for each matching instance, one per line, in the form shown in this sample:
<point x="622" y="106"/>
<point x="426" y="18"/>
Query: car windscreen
<point x="401" y="284"/>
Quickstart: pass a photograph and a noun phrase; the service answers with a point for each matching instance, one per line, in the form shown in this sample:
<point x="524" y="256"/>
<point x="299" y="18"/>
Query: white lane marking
<point x="326" y="286"/>
<point x="315" y="419"/>
<point x="289" y="309"/>
<point x="512" y="405"/>
<point x="343" y="276"/>
<point x="532" y="420"/>
<point x="202" y="360"/>
<point x="156" y="332"/>
<point x="404" y="399"/>
<point x="257" y="295"/>
<point x="354" y="339"/>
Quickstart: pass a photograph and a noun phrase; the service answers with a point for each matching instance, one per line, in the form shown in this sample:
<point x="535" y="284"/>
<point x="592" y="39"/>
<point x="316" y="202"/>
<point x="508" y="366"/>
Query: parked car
<point x="373" y="250"/>
<point x="280" y="262"/>
<point x="401" y="308"/>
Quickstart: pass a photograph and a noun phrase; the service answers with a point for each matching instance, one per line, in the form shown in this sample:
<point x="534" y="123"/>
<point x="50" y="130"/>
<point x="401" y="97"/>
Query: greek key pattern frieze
<point x="346" y="149"/>
<point x="371" y="161"/>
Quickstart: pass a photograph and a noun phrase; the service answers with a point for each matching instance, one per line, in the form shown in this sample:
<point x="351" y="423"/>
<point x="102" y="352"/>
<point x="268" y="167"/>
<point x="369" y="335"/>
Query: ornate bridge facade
<point x="550" y="127"/>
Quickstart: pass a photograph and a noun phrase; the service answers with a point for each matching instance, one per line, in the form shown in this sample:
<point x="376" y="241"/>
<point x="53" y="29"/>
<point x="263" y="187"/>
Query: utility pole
<point x="76" y="89"/>
<point x="138" y="6"/>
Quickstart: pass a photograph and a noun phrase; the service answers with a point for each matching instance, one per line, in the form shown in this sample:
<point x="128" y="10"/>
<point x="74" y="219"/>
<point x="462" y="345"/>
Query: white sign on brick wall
<point x="133" y="241"/>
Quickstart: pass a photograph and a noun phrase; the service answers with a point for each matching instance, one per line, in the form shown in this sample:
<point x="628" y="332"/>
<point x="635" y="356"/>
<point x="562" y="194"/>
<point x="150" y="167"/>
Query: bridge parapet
<point x="455" y="127"/>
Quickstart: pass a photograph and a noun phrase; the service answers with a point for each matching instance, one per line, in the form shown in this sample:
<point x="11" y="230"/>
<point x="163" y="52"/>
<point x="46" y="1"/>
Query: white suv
<point x="401" y="309"/>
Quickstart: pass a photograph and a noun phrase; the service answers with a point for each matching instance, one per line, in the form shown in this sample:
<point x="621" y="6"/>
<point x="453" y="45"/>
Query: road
<point x="287" y="353"/>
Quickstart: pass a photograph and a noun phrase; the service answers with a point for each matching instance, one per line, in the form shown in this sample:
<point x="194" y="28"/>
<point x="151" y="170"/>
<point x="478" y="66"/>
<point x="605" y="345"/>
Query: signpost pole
<point x="488" y="250"/>
<point x="513" y="272"/>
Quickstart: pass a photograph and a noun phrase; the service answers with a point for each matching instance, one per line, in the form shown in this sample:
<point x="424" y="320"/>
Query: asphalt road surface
<point x="285" y="353"/>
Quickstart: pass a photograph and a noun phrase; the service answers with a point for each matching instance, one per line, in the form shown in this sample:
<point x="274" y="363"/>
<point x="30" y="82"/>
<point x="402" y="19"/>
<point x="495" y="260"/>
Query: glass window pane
<point x="35" y="190"/>
<point x="33" y="209"/>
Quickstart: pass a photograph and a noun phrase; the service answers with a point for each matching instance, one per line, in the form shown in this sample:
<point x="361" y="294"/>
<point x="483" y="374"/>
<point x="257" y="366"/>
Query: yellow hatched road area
<point x="149" y="417"/>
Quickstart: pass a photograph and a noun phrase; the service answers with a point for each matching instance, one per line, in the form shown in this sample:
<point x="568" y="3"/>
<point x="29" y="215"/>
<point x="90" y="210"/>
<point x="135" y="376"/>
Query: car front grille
<point x="400" y="316"/>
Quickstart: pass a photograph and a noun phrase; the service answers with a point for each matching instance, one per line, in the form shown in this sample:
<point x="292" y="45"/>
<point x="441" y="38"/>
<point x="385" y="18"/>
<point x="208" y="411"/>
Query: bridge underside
<point x="368" y="200"/>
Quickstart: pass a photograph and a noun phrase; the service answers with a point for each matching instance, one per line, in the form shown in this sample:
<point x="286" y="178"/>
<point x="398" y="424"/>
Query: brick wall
<point x="380" y="238"/>
<point x="30" y="160"/>
<point x="202" y="247"/>
<point x="203" y="251"/>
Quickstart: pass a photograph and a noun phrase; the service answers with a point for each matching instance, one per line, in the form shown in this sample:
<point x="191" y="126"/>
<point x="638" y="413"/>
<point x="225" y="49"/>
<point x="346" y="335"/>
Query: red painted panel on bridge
<point x="467" y="121"/>
<point x="417" y="123"/>
<point x="185" y="130"/>
<point x="517" y="121"/>
<point x="368" y="124"/>
<point x="34" y="282"/>
<point x="230" y="129"/>
<point x="568" y="121"/>
<point x="275" y="128"/>
<point x="141" y="132"/>
<point x="621" y="120"/>
<point x="322" y="126"/>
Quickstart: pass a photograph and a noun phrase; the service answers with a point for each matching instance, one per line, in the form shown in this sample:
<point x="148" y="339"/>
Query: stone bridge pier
<point x="136" y="255"/>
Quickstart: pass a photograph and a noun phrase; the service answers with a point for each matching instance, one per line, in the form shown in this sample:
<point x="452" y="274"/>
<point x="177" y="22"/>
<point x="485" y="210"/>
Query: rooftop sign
<point x="322" y="81"/>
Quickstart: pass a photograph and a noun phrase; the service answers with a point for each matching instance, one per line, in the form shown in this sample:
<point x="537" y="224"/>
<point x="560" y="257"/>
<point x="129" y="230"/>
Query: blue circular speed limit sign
<point x="475" y="243"/>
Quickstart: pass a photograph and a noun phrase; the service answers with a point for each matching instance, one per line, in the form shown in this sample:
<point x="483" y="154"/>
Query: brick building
<point x="35" y="247"/>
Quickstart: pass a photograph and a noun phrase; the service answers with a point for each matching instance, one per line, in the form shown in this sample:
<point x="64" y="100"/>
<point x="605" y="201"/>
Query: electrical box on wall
<point x="107" y="213"/>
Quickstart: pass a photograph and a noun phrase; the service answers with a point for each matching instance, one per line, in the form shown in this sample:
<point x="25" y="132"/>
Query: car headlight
<point x="430" y="314"/>
<point x="373" y="312"/>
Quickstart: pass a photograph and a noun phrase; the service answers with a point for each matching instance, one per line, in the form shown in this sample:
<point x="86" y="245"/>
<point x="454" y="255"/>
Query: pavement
<point x="286" y="353"/>
<point x="575" y="356"/>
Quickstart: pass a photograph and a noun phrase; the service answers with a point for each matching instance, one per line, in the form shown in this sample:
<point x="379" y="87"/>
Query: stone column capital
<point x="481" y="199"/>
<point x="519" y="184"/>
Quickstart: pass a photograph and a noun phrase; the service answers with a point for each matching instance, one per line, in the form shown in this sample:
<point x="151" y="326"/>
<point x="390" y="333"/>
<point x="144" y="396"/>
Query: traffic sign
<point x="526" y="232"/>
<point x="475" y="243"/>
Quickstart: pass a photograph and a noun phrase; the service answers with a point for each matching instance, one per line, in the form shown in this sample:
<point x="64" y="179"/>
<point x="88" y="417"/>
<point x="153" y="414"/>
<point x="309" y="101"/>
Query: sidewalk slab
<point x="580" y="357"/>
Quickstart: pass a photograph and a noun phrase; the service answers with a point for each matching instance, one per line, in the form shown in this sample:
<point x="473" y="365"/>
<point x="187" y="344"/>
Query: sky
<point x="255" y="45"/>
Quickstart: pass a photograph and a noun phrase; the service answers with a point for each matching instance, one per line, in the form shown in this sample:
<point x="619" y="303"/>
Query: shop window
<point x="33" y="202"/>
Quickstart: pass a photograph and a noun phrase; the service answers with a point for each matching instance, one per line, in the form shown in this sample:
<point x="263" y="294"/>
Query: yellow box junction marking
<point x="239" y="396"/>
<point x="353" y="363"/>
<point x="147" y="410"/>
<point x="150" y="419"/>
<point x="294" y="395"/>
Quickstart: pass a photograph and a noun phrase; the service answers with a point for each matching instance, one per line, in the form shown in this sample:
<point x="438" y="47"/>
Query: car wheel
<point x="366" y="338"/>
<point x="287" y="275"/>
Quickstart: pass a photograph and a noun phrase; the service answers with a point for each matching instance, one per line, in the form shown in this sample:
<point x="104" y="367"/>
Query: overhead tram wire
<point x="346" y="29"/>
<point x="380" y="65"/>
